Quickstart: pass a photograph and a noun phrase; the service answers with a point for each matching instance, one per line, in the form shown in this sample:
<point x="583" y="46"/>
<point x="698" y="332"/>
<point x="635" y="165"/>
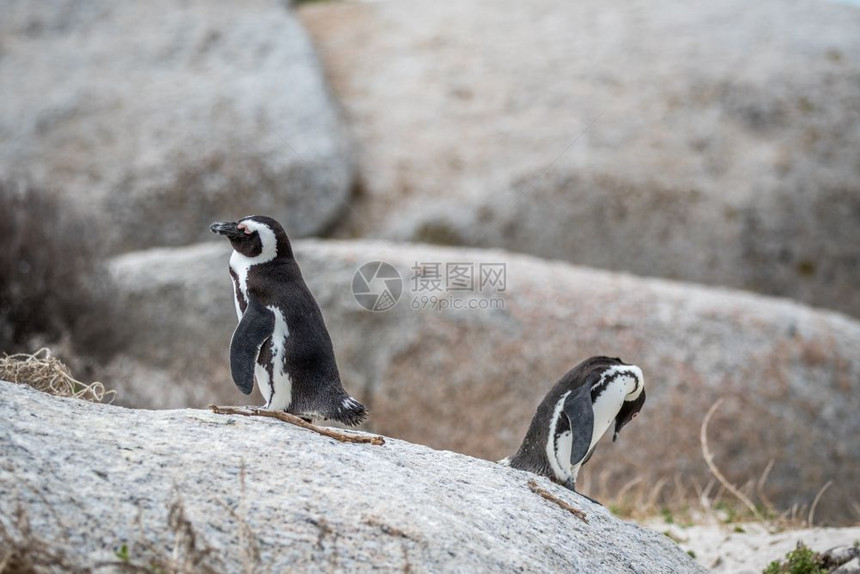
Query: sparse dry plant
<point x="177" y="548"/>
<point x="48" y="374"/>
<point x="23" y="550"/>
<point x="683" y="500"/>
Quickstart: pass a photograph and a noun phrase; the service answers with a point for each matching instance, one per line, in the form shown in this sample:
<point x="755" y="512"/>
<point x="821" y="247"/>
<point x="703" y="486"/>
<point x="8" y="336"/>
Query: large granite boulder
<point x="469" y="379"/>
<point x="210" y="493"/>
<point x="158" y="117"/>
<point x="710" y="143"/>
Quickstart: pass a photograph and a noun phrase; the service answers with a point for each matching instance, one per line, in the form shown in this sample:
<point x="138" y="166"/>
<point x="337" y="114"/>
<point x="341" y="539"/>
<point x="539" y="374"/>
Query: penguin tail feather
<point x="351" y="412"/>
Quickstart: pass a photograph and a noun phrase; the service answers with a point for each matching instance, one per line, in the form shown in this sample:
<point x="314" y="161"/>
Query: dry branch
<point x="811" y="517"/>
<point x="552" y="498"/>
<point x="292" y="419"/>
<point x="709" y="459"/>
<point x="759" y="488"/>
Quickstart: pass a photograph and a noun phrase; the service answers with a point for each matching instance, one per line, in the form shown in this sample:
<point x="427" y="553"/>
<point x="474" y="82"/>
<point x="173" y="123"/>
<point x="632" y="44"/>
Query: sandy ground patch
<point x="748" y="548"/>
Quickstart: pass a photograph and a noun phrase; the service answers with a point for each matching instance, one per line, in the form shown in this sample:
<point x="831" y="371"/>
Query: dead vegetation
<point x="533" y="486"/>
<point x="680" y="500"/>
<point x="180" y="550"/>
<point x="48" y="374"/>
<point x="23" y="550"/>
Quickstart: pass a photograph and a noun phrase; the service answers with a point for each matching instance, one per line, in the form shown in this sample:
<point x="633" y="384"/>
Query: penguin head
<point x="629" y="410"/>
<point x="255" y="236"/>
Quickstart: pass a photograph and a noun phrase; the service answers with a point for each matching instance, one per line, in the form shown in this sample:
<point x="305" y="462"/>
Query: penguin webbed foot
<point x="597" y="502"/>
<point x="570" y="484"/>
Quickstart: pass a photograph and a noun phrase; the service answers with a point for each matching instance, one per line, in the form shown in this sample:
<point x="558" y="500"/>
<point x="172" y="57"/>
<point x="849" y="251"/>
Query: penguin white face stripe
<point x="240" y="264"/>
<point x="631" y="376"/>
<point x="640" y="383"/>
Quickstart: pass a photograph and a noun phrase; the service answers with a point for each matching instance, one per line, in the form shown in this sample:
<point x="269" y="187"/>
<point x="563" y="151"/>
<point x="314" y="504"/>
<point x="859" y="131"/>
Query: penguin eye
<point x="635" y="415"/>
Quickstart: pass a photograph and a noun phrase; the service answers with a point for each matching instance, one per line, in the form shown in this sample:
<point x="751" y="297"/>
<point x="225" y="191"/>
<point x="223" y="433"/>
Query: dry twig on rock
<point x="552" y="498"/>
<point x="292" y="419"/>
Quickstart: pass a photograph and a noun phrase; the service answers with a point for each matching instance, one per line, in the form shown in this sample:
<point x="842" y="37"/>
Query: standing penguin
<point x="575" y="413"/>
<point x="281" y="338"/>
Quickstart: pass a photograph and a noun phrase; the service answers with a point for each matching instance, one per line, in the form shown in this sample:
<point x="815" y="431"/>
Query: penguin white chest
<point x="272" y="378"/>
<point x="606" y="408"/>
<point x="239" y="267"/>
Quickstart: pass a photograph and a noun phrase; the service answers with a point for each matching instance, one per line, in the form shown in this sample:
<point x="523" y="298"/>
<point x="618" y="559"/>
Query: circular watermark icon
<point x="377" y="286"/>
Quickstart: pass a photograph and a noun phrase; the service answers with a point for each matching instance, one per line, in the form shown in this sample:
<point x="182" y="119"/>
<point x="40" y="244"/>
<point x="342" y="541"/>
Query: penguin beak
<point x="228" y="229"/>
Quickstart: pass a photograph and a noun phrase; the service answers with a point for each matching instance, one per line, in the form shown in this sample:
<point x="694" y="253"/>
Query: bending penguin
<point x="575" y="413"/>
<point x="281" y="339"/>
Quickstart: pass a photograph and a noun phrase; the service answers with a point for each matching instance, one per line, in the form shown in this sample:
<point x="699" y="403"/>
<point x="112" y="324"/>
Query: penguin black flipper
<point x="253" y="331"/>
<point x="580" y="413"/>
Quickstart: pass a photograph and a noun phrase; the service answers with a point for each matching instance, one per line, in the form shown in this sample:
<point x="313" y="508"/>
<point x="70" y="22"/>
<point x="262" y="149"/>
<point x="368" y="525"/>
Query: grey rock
<point x="850" y="567"/>
<point x="842" y="559"/>
<point x="157" y="118"/>
<point x="92" y="478"/>
<point x="469" y="380"/>
<point x="713" y="144"/>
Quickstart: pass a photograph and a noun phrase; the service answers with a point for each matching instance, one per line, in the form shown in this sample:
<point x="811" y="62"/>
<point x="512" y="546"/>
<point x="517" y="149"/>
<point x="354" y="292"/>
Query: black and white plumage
<point x="281" y="340"/>
<point x="576" y="413"/>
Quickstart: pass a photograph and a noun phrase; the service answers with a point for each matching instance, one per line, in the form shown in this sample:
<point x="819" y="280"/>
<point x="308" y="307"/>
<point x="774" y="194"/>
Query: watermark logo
<point x="377" y="286"/>
<point x="434" y="285"/>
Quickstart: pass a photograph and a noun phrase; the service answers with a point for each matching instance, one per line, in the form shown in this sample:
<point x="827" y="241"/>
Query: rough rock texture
<point x="160" y="117"/>
<point x="469" y="380"/>
<point x="309" y="503"/>
<point x="713" y="143"/>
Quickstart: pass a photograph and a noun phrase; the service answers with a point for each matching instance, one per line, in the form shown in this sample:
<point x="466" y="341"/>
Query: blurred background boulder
<point x="714" y="143"/>
<point x="160" y="117"/>
<point x="470" y="380"/>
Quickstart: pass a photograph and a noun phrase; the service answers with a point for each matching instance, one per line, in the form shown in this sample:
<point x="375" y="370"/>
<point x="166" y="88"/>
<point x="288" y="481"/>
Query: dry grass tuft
<point x="190" y="552"/>
<point x="48" y="374"/>
<point x="248" y="543"/>
<point x="22" y="550"/>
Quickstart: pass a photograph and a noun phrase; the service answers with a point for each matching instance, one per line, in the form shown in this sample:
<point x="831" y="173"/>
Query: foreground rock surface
<point x="158" y="118"/>
<point x="469" y="380"/>
<point x="271" y="496"/>
<point x="709" y="143"/>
